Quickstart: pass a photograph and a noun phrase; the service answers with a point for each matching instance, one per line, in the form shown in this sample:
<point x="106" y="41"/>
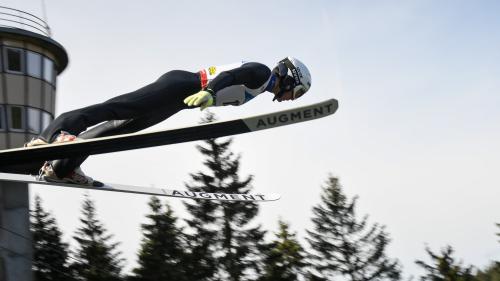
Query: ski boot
<point x="62" y="137"/>
<point x="35" y="142"/>
<point x="76" y="177"/>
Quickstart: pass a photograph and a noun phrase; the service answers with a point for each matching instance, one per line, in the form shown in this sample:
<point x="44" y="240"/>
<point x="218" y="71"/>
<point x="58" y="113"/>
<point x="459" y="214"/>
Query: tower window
<point x="34" y="64"/>
<point x="2" y="119"/>
<point x="33" y="120"/>
<point x="46" y="119"/>
<point x="16" y="119"/>
<point x="48" y="70"/>
<point x="14" y="60"/>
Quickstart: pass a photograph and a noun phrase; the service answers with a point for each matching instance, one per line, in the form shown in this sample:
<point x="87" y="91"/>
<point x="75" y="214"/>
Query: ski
<point x="186" y="134"/>
<point x="184" y="194"/>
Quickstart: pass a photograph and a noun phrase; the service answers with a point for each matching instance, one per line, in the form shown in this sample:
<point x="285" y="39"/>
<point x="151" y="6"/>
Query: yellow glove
<point x="203" y="99"/>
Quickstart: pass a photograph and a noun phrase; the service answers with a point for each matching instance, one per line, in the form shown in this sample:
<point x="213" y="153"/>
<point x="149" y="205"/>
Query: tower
<point x="30" y="61"/>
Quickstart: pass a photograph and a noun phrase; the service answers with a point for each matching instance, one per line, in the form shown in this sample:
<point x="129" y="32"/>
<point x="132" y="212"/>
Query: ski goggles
<point x="282" y="70"/>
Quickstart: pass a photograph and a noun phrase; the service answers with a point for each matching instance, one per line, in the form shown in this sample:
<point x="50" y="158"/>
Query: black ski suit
<point x="144" y="107"/>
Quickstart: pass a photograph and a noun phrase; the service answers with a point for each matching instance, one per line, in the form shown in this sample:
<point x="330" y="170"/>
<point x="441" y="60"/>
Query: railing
<point x="14" y="18"/>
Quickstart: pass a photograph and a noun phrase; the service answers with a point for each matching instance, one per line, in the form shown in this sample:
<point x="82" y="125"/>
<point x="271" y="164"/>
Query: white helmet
<point x="293" y="74"/>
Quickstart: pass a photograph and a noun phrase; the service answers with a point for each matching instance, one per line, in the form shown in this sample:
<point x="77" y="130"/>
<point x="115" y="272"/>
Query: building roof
<point x="43" y="41"/>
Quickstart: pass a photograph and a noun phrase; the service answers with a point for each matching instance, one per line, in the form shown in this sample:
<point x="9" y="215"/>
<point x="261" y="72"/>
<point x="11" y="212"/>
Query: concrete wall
<point x="15" y="251"/>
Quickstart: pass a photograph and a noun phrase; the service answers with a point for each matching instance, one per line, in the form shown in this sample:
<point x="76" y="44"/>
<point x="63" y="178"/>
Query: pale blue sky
<point x="417" y="134"/>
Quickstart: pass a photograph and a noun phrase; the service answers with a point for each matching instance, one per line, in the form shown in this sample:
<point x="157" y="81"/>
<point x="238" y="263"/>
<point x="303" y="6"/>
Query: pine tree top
<point x="98" y="257"/>
<point x="343" y="244"/>
<point x="444" y="267"/>
<point x="162" y="254"/>
<point x="50" y="253"/>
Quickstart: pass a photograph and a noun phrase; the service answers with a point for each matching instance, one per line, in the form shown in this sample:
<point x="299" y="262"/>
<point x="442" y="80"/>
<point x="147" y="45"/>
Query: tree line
<point x="222" y="241"/>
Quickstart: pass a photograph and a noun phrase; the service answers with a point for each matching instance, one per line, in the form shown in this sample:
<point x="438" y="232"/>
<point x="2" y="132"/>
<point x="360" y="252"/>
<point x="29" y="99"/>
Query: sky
<point x="416" y="136"/>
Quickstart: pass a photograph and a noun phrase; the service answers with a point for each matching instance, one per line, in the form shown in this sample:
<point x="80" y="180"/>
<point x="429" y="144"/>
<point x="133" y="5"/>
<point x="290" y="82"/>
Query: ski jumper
<point x="128" y="113"/>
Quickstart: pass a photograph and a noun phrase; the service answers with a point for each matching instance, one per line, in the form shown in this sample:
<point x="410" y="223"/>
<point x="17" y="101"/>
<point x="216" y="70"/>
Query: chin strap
<point x="278" y="95"/>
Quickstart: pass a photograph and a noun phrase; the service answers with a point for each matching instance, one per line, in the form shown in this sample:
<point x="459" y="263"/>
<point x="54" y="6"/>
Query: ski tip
<point x="97" y="184"/>
<point x="272" y="197"/>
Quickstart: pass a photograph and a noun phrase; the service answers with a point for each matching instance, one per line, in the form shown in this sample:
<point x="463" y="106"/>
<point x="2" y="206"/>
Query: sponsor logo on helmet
<point x="296" y="75"/>
<point x="299" y="72"/>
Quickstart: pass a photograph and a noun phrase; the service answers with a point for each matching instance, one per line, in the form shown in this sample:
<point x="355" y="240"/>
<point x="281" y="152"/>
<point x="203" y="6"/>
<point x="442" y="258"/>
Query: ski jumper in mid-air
<point x="175" y="90"/>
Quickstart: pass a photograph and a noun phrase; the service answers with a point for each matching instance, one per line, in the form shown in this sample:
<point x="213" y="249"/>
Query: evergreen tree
<point x="497" y="264"/>
<point x="285" y="259"/>
<point x="50" y="254"/>
<point x="491" y="273"/>
<point x="344" y="245"/>
<point x="162" y="250"/>
<point x="498" y="233"/>
<point x="200" y="263"/>
<point x="444" y="267"/>
<point x="97" y="258"/>
<point x="223" y="244"/>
